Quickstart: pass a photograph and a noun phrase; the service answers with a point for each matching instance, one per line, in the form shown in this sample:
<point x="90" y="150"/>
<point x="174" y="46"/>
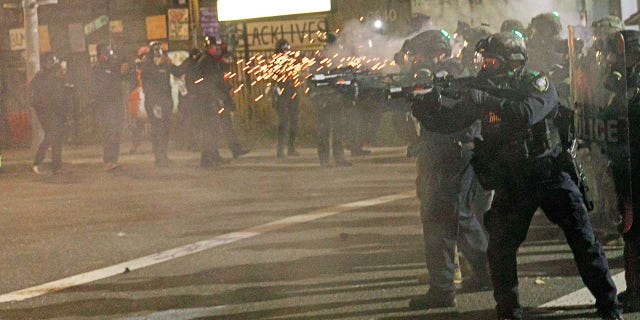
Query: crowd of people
<point x="487" y="158"/>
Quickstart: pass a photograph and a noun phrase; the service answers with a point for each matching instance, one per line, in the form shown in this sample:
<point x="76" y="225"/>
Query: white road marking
<point x="196" y="247"/>
<point x="583" y="296"/>
<point x="179" y="314"/>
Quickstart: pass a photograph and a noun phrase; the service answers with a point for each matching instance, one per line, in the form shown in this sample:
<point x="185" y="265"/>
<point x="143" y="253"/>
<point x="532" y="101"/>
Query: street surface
<point x="259" y="238"/>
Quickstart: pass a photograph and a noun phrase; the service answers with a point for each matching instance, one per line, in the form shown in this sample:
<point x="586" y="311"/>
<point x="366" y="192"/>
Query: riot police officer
<point x="446" y="186"/>
<point x="285" y="101"/>
<point x="220" y="54"/>
<point x="625" y="154"/>
<point x="472" y="36"/>
<point x="156" y="83"/>
<point x="107" y="98"/>
<point x="543" y="37"/>
<point x="516" y="158"/>
<point x="330" y="114"/>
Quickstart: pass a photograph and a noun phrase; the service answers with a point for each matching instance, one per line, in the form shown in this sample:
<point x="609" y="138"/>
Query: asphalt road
<point x="259" y="238"/>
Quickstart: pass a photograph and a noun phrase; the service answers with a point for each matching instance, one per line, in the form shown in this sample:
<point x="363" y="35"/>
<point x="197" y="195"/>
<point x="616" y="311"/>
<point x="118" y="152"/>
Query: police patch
<point x="541" y="84"/>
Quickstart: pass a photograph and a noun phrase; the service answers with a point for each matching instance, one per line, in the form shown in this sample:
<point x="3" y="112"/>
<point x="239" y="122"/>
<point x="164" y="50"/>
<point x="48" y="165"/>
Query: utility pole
<point x="32" y="52"/>
<point x="194" y="6"/>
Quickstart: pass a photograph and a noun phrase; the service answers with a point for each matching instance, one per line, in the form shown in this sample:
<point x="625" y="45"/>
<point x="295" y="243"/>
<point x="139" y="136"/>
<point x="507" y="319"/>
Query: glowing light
<point x="518" y="34"/>
<point x="445" y="34"/>
<point x="199" y="80"/>
<point x="377" y="24"/>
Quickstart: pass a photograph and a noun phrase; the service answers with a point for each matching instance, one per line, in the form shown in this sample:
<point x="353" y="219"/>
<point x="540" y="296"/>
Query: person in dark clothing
<point x="108" y="101"/>
<point x="516" y="158"/>
<point x="219" y="51"/>
<point x="446" y="185"/>
<point x="285" y="101"/>
<point x="155" y="74"/>
<point x="189" y="101"/>
<point x="624" y="153"/>
<point x="46" y="93"/>
<point x="330" y="107"/>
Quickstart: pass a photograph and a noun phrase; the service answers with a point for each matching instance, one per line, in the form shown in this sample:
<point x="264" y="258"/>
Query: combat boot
<point x="433" y="299"/>
<point x="631" y="301"/>
<point x="609" y="315"/>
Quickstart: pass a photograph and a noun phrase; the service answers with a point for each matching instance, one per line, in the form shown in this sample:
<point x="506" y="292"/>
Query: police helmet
<point x="210" y="41"/>
<point x="604" y="27"/>
<point x="631" y="45"/>
<point x="428" y="41"/>
<point x="511" y="25"/>
<point x="330" y="38"/>
<point x="156" y="48"/>
<point x="508" y="48"/>
<point x="104" y="52"/>
<point x="195" y="54"/>
<point x="282" y="46"/>
<point x="549" y="22"/>
<point x="48" y="60"/>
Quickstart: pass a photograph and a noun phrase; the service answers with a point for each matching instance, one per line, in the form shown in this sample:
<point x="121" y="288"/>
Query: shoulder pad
<point x="540" y="83"/>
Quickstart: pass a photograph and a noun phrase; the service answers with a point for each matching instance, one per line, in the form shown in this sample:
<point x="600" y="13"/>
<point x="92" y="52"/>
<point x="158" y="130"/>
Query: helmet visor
<point x="491" y="64"/>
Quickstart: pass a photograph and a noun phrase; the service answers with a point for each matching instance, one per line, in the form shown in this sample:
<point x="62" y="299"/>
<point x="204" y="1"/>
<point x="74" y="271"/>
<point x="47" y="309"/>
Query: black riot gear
<point x="425" y="49"/>
<point x="631" y="45"/>
<point x="512" y="25"/>
<point x="616" y="59"/>
<point x="603" y="28"/>
<point x="517" y="158"/>
<point x="545" y="26"/>
<point x="104" y="52"/>
<point x="208" y="41"/>
<point x="156" y="48"/>
<point x="282" y="46"/>
<point x="505" y="51"/>
<point x="49" y="60"/>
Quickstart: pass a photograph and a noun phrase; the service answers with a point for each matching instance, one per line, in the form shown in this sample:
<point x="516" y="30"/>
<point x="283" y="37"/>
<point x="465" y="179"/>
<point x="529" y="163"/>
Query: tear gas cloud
<point x="358" y="38"/>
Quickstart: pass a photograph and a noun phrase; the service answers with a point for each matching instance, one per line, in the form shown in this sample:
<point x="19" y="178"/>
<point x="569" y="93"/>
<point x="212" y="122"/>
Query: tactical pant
<point x="508" y="222"/>
<point x="227" y="130"/>
<point x="448" y="192"/>
<point x="113" y="118"/>
<point x="288" y="114"/>
<point x="53" y="126"/>
<point x="329" y="126"/>
<point x="160" y="129"/>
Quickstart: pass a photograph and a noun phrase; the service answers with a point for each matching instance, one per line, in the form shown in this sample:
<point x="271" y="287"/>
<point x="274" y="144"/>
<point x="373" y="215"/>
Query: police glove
<point x="424" y="103"/>
<point x="483" y="98"/>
